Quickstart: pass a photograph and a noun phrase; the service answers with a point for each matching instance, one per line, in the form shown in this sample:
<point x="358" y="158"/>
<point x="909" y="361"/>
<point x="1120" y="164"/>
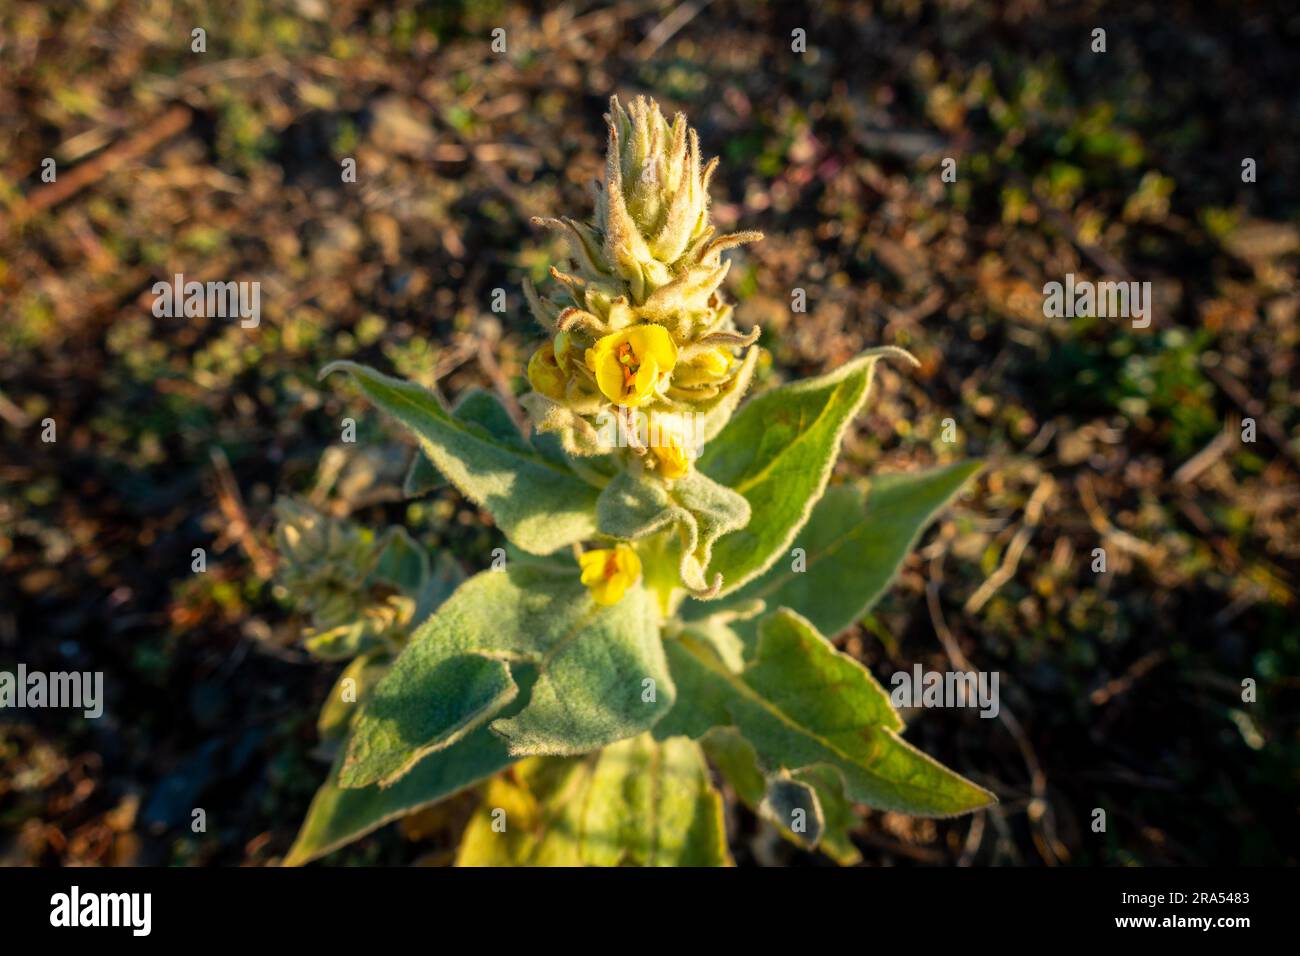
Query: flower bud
<point x="545" y="374"/>
<point x="671" y="461"/>
<point x="609" y="572"/>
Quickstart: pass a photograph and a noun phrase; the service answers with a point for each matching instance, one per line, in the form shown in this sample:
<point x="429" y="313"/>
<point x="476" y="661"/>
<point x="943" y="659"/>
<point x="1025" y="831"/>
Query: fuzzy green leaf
<point x="802" y="703"/>
<point x="538" y="504"/>
<point x="475" y="408"/>
<point x="637" y="802"/>
<point x="778" y="452"/>
<point x="455" y="673"/>
<point x="634" y="506"/>
<point x="852" y="549"/>
<point x="338" y="816"/>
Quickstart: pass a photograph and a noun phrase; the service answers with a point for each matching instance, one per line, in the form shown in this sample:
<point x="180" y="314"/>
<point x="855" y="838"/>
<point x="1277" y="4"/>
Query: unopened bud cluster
<point x="325" y="571"/>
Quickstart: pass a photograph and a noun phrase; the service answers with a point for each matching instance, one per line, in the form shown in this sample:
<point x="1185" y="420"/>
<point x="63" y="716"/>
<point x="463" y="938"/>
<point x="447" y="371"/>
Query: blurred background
<point x="1120" y="690"/>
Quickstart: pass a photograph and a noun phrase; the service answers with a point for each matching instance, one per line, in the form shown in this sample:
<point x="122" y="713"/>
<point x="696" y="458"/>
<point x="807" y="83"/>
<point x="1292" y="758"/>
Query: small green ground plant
<point x="676" y="563"/>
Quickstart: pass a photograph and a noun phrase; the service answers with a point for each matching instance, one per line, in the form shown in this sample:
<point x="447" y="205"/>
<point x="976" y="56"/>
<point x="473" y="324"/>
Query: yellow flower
<point x="544" y="373"/>
<point x="671" y="457"/>
<point x="609" y="572"/>
<point x="630" y="365"/>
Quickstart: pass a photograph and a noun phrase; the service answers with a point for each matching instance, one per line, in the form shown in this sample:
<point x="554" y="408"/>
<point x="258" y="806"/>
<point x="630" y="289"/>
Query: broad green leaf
<point x="593" y="667"/>
<point x="637" y="802"/>
<point x="801" y="703"/>
<point x="338" y="816"/>
<point x="537" y="503"/>
<point x="778" y="452"/>
<point x="476" y="408"/>
<point x="635" y="506"/>
<point x="852" y="548"/>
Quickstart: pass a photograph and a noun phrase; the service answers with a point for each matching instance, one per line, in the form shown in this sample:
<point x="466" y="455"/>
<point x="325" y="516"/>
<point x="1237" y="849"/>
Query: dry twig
<point x="1011" y="559"/>
<point x="238" y="527"/>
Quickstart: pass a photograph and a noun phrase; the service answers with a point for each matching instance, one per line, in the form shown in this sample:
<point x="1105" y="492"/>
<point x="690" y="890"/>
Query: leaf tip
<point x="896" y="352"/>
<point x="335" y="366"/>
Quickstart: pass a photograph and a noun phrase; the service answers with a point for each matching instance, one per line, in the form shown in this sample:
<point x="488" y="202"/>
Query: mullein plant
<point x="676" y="563"/>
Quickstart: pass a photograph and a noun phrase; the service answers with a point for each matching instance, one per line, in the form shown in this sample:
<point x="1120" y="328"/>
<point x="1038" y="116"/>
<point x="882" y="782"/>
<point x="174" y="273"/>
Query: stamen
<point x="627" y="358"/>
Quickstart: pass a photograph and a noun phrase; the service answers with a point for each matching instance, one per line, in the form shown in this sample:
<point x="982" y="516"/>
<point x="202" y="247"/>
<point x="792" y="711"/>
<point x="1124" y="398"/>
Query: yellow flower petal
<point x="630" y="364"/>
<point x="609" y="376"/>
<point x="609" y="572"/>
<point x="653" y="341"/>
<point x="647" y="377"/>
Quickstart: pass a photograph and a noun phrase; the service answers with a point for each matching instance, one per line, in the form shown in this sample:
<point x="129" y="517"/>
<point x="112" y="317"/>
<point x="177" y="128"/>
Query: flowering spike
<point x="643" y="320"/>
